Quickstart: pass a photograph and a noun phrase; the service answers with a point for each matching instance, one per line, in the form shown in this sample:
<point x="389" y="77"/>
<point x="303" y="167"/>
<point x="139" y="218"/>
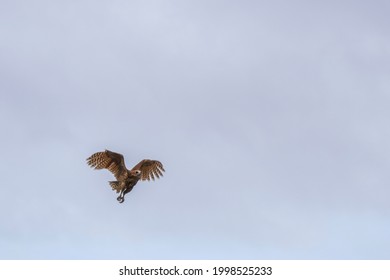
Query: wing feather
<point x="150" y="169"/>
<point x="114" y="162"/>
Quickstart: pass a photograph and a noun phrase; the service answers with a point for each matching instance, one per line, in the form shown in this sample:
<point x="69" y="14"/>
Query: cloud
<point x="269" y="119"/>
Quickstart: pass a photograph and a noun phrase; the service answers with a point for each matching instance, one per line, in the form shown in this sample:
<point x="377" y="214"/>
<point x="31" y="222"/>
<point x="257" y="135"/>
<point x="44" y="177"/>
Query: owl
<point x="125" y="179"/>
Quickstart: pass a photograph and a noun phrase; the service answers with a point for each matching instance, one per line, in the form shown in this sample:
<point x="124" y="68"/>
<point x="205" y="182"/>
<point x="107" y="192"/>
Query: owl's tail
<point x="115" y="186"/>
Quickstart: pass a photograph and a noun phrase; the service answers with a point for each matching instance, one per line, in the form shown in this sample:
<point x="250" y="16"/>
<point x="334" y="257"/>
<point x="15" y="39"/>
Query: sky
<point x="271" y="119"/>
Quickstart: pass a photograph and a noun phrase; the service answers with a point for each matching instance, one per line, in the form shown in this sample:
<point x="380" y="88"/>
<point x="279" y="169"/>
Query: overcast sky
<point x="271" y="119"/>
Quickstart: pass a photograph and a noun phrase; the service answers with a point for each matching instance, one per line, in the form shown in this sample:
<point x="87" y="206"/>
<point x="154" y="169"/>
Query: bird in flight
<point x="125" y="179"/>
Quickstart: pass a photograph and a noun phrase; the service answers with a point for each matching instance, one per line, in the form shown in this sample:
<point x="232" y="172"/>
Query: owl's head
<point x="136" y="173"/>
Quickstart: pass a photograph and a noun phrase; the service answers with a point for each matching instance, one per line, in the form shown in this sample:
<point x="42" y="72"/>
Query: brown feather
<point x="150" y="169"/>
<point x="126" y="180"/>
<point x="112" y="161"/>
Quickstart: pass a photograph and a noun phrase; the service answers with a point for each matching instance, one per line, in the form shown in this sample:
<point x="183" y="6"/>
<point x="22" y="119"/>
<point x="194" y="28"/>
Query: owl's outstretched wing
<point x="111" y="161"/>
<point x="150" y="169"/>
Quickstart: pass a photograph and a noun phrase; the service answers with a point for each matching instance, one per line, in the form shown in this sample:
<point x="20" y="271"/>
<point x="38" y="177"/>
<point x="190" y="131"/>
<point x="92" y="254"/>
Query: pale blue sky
<point x="270" y="117"/>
